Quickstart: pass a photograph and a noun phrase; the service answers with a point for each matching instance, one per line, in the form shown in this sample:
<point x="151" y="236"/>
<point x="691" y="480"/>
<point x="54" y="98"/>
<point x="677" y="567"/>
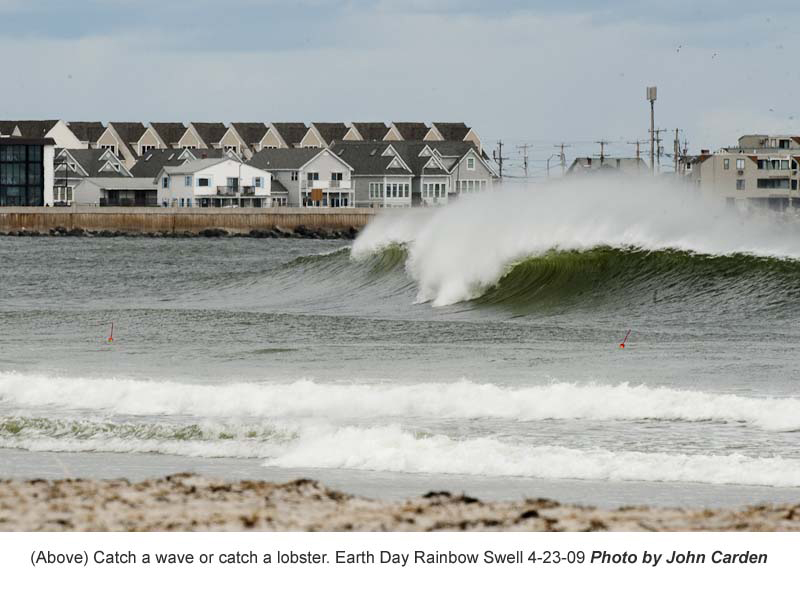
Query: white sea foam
<point x="455" y="253"/>
<point x="348" y="401"/>
<point x="393" y="449"/>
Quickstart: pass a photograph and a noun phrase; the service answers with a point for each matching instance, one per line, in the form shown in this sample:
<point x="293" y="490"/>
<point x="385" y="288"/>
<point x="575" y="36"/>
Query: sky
<point x="533" y="72"/>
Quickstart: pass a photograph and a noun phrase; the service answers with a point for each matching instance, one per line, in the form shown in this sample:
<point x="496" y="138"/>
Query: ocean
<point x="473" y="347"/>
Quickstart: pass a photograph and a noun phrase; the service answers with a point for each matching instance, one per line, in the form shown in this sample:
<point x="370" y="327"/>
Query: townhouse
<point x="323" y="164"/>
<point x="73" y="167"/>
<point x="213" y="182"/>
<point x="313" y="177"/>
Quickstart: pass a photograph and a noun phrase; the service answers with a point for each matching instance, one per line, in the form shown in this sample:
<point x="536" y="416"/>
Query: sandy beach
<point x="187" y="502"/>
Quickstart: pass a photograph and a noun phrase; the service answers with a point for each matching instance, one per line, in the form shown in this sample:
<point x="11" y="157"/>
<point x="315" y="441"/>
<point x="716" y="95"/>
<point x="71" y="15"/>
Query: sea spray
<point x="457" y="252"/>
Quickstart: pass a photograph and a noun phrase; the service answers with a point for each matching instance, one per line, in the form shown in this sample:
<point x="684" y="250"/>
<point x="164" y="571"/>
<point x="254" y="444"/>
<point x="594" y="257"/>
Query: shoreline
<point x="189" y="502"/>
<point x="299" y="232"/>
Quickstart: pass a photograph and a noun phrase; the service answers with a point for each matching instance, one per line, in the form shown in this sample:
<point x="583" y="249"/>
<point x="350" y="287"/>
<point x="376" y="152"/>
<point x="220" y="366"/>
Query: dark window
<point x="779" y="183"/>
<point x="202" y="181"/>
<point x="21" y="175"/>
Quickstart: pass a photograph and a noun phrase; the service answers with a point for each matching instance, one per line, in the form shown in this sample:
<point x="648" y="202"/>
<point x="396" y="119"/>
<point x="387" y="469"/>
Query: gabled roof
<point x="331" y="132"/>
<point x="412" y="131"/>
<point x="452" y="131"/>
<point x="169" y="132"/>
<point x="210" y="133"/>
<point x="277" y="188"/>
<point x="150" y="163"/>
<point x="92" y="161"/>
<point x="283" y="158"/>
<point x="410" y="152"/>
<point x="129" y="133"/>
<point x="367" y="159"/>
<point x="7" y="127"/>
<point x="292" y="133"/>
<point x="251" y="133"/>
<point x="372" y="131"/>
<point x="33" y="129"/>
<point x="192" y="166"/>
<point x="89" y="131"/>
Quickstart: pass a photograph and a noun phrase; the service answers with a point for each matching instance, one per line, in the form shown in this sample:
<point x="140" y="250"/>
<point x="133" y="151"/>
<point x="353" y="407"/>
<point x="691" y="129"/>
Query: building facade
<point x="26" y="171"/>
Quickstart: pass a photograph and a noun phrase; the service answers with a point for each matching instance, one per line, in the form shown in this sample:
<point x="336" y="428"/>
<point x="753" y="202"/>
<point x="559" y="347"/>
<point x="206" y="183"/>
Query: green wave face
<point x="612" y="277"/>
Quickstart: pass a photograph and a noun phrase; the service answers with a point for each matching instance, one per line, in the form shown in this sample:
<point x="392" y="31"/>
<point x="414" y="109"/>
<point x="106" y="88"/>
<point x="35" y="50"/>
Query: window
<point x="470" y="163"/>
<point x="313" y="176"/>
<point x="739" y="164"/>
<point x="188" y="202"/>
<point x="726" y="164"/>
<point x="165" y="182"/>
<point x="294" y="175"/>
<point x="740" y="184"/>
<point x="784" y="164"/>
<point x="203" y="181"/>
<point x="147" y="148"/>
<point x="336" y="176"/>
<point x="187" y="181"/>
<point x="181" y="202"/>
<point x="773" y="183"/>
<point x="375" y="190"/>
<point x="21" y="175"/>
<point x="794" y="185"/>
<point x="258" y="181"/>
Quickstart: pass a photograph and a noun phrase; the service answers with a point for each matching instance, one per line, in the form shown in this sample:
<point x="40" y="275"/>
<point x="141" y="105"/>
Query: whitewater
<point x="477" y="341"/>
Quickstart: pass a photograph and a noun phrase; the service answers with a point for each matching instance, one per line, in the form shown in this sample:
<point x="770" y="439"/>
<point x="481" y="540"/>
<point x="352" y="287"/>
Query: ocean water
<point x="474" y="346"/>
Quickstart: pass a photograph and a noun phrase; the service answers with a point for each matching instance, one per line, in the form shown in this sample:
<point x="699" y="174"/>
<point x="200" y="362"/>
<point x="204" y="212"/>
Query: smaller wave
<point x="348" y="401"/>
<point x="393" y="449"/>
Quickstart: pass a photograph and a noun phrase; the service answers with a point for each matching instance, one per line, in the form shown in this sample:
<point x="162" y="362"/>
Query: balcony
<point x="328" y="184"/>
<point x="234" y="191"/>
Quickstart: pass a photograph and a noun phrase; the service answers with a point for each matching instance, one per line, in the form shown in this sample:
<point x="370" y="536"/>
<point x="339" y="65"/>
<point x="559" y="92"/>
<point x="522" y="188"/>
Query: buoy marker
<point x="624" y="340"/>
<point x="111" y="335"/>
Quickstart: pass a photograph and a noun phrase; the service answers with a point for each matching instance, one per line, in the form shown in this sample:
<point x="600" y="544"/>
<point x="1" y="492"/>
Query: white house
<point x="214" y="182"/>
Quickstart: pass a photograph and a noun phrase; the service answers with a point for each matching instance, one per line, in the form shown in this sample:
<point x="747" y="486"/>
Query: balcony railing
<point x="328" y="184"/>
<point x="233" y="191"/>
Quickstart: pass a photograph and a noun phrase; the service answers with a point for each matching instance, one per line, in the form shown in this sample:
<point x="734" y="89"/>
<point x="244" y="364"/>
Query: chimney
<point x="705" y="152"/>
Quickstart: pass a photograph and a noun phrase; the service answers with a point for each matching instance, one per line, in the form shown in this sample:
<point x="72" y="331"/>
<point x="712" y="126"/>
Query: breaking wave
<point x="391" y="448"/>
<point x="362" y="401"/>
<point x="577" y="238"/>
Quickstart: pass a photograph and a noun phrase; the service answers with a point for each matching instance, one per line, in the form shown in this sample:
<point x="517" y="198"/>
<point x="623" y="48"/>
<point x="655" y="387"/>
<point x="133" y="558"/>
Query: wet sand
<point x="187" y="502"/>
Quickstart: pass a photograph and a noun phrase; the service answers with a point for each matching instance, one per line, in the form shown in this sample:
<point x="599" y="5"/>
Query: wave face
<point x="455" y="428"/>
<point x="584" y="237"/>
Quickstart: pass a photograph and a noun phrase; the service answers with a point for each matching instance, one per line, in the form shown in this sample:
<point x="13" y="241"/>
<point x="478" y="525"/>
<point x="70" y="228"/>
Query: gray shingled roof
<point x="89" y="159"/>
<point x="409" y="151"/>
<point x="190" y="167"/>
<point x="372" y="131"/>
<point x="33" y="129"/>
<point x="412" y="131"/>
<point x="277" y="188"/>
<point x="130" y="133"/>
<point x="7" y="127"/>
<point x="87" y="130"/>
<point x="250" y="132"/>
<point x="169" y="132"/>
<point x="365" y="158"/>
<point x="292" y="133"/>
<point x="283" y="158"/>
<point x="210" y="133"/>
<point x="452" y="131"/>
<point x="150" y="163"/>
<point x="331" y="132"/>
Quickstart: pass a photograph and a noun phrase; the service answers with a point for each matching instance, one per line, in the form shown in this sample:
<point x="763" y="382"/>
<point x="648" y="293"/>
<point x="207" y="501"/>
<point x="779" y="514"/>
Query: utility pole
<point x="658" y="133"/>
<point x="563" y="159"/>
<point x="652" y="92"/>
<point x="524" y="147"/>
<point x="602" y="143"/>
<point x="498" y="156"/>
<point x="676" y="148"/>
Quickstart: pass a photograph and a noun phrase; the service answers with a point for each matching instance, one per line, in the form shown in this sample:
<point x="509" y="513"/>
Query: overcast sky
<point x="537" y="72"/>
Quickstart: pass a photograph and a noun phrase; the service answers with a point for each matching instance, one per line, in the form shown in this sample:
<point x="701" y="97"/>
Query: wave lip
<point x="393" y="449"/>
<point x="348" y="401"/>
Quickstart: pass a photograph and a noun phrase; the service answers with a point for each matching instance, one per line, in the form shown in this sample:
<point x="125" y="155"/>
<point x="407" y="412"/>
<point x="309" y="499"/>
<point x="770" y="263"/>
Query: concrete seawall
<point x="144" y="220"/>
